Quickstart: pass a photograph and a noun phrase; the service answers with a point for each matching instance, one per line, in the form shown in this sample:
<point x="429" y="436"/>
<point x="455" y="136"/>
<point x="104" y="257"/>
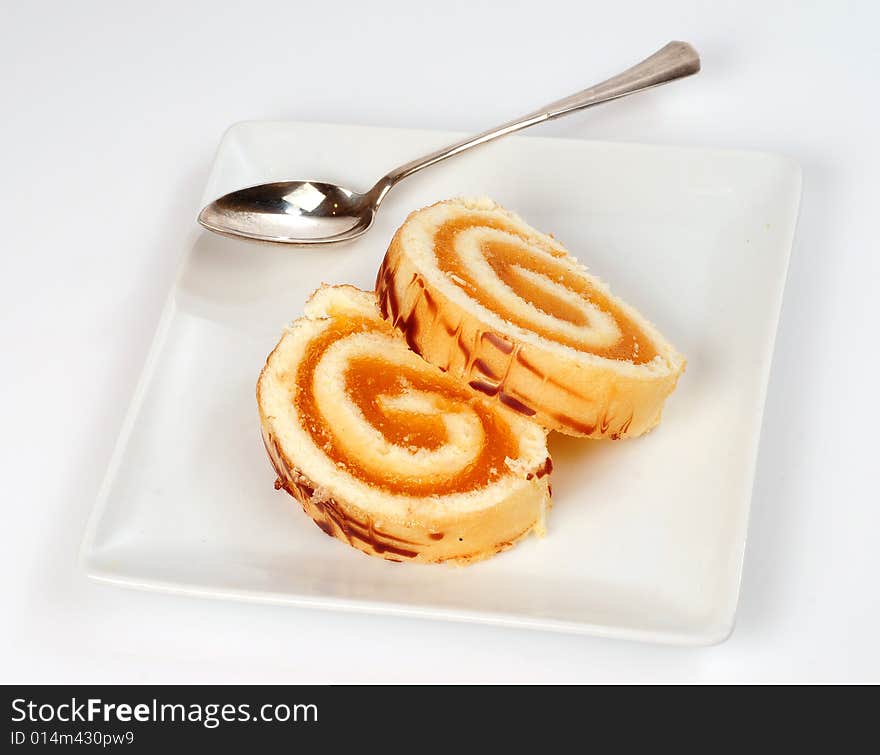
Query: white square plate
<point x="646" y="536"/>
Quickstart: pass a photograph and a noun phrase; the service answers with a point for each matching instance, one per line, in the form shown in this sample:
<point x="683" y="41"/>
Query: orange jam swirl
<point x="505" y="257"/>
<point x="368" y="378"/>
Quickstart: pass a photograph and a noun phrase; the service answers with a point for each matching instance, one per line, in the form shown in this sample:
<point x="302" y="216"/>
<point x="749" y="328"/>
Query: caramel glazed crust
<point x="336" y="521"/>
<point x="548" y="391"/>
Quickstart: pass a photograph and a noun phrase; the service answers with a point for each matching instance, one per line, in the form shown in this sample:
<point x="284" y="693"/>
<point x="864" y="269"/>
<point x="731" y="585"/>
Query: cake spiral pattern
<point x="386" y="452"/>
<point x="507" y="310"/>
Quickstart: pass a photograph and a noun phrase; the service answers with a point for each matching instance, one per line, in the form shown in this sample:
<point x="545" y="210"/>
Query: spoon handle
<point x="674" y="61"/>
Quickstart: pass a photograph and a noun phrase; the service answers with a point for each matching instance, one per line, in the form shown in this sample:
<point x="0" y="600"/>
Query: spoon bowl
<point x="313" y="212"/>
<point x="297" y="212"/>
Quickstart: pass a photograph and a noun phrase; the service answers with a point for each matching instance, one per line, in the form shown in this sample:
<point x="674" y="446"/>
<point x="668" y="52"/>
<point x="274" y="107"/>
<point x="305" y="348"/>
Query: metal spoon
<point x="313" y="212"/>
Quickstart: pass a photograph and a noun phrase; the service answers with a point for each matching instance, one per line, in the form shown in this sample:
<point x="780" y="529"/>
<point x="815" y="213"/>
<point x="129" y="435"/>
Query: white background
<point x="109" y="116"/>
